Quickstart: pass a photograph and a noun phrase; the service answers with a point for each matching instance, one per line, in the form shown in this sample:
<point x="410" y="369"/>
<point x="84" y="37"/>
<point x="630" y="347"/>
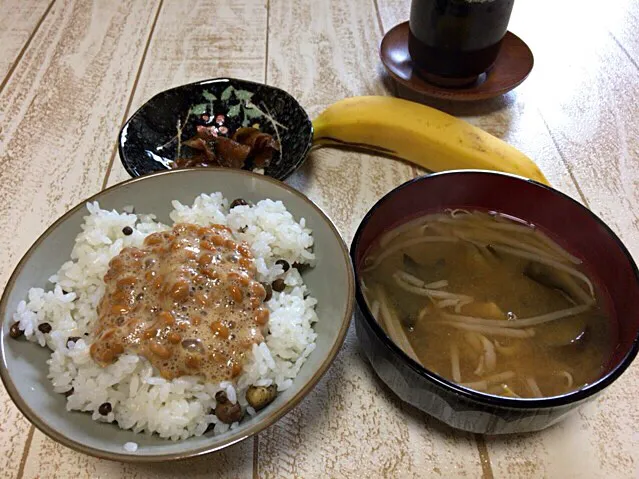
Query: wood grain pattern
<point x="49" y="459"/>
<point x="622" y="27"/>
<point x="56" y="130"/>
<point x="56" y="133"/>
<point x="197" y="40"/>
<point x="350" y="424"/>
<point x="18" y="22"/>
<point x="14" y="432"/>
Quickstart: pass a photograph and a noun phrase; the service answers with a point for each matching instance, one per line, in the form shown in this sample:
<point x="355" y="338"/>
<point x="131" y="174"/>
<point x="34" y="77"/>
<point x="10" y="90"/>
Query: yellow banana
<point x="418" y="134"/>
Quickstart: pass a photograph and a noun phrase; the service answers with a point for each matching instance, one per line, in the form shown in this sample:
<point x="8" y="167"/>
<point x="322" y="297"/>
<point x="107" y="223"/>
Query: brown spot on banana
<point x="328" y="141"/>
<point x="417" y="134"/>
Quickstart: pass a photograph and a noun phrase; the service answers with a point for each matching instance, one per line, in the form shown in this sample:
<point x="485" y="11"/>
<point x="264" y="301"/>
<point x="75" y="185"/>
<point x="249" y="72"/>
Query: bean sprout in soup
<point x="489" y="302"/>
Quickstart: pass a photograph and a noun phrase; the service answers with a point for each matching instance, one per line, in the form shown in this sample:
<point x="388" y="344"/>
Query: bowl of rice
<point x="124" y="403"/>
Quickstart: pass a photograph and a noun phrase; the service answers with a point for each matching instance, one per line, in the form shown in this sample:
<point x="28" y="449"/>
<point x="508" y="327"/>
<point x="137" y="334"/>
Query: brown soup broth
<point x="489" y="283"/>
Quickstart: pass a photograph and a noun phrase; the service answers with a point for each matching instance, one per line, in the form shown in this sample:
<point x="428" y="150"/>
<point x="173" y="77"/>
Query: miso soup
<point x="489" y="302"/>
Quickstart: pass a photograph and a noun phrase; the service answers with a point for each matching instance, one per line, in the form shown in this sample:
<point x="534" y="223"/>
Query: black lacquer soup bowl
<point x="575" y="227"/>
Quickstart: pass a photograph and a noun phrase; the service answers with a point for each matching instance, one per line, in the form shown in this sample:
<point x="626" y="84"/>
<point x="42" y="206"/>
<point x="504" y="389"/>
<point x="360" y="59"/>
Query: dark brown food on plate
<point x="44" y="328"/>
<point x="247" y="145"/>
<point x="204" y="157"/>
<point x="231" y="153"/>
<point x="206" y="133"/>
<point x="239" y="202"/>
<point x="278" y="285"/>
<point x="188" y="301"/>
<point x="225" y="410"/>
<point x="284" y="264"/>
<point x="262" y="145"/>
<point x="14" y="331"/>
<point x="269" y="291"/>
<point x="105" y="408"/>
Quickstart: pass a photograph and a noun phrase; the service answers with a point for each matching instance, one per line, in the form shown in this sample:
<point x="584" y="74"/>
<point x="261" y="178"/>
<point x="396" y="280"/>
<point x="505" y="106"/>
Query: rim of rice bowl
<point x="215" y="444"/>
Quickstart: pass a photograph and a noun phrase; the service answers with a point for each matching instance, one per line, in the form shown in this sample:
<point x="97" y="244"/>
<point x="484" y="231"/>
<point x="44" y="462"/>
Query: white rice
<point x="141" y="400"/>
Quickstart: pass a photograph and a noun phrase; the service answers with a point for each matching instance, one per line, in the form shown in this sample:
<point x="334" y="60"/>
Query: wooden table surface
<point x="71" y="71"/>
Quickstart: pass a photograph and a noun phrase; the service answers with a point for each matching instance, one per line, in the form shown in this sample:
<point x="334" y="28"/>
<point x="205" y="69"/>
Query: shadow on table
<point x="455" y="108"/>
<point x="441" y="429"/>
<point x="300" y="179"/>
<point x="234" y="461"/>
<point x="437" y="427"/>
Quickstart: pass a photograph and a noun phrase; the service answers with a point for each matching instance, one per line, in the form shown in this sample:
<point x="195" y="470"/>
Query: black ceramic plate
<point x="149" y="141"/>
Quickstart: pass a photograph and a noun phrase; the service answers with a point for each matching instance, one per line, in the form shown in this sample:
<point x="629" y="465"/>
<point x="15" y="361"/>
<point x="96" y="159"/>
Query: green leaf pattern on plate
<point x="226" y="94"/>
<point x="234" y="111"/>
<point x="209" y="96"/>
<point x="237" y="102"/>
<point x="244" y="95"/>
<point x="199" y="109"/>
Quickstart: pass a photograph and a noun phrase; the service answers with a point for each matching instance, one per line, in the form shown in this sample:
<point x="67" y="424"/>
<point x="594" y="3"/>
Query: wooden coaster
<point x="513" y="64"/>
